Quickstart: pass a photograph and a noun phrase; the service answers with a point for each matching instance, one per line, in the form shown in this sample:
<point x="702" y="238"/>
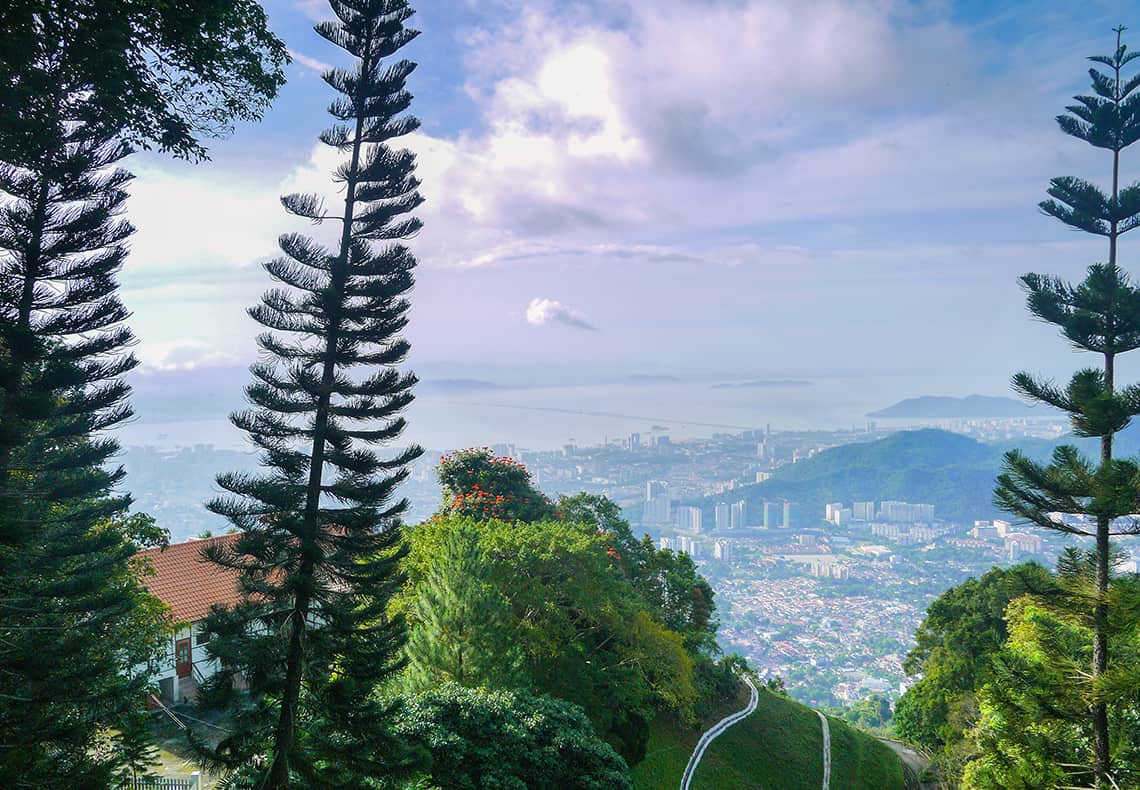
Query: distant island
<point x="760" y="384"/>
<point x="455" y="386"/>
<point x="972" y="406"/>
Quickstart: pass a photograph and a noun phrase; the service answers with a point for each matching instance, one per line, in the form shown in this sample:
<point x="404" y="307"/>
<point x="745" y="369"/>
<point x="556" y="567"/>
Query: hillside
<point x="779" y="747"/>
<point x="972" y="406"/>
<point x="952" y="471"/>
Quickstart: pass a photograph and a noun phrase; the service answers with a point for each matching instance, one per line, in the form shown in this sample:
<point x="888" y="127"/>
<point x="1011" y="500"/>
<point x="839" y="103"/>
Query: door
<point x="183" y="663"/>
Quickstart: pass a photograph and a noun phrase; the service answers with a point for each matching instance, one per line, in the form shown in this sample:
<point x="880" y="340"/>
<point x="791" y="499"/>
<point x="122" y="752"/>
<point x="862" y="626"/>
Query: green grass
<point x="671" y="743"/>
<point x="779" y="747"/>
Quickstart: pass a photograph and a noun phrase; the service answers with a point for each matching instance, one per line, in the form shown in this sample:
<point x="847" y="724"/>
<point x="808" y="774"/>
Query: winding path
<point x="717" y="729"/>
<point x="826" y="751"/>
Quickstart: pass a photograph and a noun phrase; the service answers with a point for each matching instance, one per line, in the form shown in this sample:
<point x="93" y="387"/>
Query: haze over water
<point x="550" y="416"/>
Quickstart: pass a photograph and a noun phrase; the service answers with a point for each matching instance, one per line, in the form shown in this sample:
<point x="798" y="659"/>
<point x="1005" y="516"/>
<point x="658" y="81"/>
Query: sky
<point x="729" y="188"/>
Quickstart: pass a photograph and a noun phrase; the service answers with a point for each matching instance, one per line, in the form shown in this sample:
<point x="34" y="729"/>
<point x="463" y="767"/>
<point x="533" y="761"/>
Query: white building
<point x="723" y="516"/>
<point x="189" y="586"/>
<point x="688" y="518"/>
<point x="658" y="508"/>
<point x="722" y="550"/>
<point x="738" y="515"/>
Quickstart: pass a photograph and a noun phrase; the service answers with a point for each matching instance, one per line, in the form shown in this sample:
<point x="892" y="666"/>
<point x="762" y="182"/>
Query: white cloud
<point x="311" y="63"/>
<point x="185" y="354"/>
<point x="544" y="311"/>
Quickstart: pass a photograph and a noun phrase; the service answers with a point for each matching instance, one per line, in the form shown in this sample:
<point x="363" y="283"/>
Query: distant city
<point x="828" y="598"/>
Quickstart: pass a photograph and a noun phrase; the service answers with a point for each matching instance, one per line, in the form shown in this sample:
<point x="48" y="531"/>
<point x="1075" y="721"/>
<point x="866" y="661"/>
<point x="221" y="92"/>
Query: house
<point x="182" y="579"/>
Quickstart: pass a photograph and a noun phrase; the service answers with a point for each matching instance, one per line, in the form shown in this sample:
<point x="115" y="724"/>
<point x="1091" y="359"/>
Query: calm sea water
<point x="547" y="418"/>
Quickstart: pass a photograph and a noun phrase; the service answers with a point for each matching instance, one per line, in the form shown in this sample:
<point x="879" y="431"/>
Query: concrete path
<point x="913" y="760"/>
<point x="826" y="751"/>
<point x="717" y="729"/>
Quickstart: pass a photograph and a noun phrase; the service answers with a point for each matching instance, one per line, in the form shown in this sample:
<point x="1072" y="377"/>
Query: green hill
<point x="953" y="472"/>
<point x="778" y="747"/>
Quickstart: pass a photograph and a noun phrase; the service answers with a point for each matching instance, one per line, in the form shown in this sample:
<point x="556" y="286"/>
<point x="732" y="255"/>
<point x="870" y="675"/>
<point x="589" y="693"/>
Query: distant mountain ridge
<point x="952" y="471"/>
<point x="972" y="406"/>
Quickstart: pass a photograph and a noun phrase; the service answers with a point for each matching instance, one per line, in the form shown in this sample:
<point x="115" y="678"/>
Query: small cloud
<point x="301" y="58"/>
<point x="544" y="311"/>
<point x="185" y="354"/>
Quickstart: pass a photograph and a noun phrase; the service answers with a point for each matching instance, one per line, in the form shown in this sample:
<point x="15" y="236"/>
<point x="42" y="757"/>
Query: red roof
<point x="188" y="583"/>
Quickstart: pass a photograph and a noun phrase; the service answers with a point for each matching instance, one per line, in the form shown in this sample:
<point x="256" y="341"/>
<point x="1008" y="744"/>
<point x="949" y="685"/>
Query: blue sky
<point x="699" y="187"/>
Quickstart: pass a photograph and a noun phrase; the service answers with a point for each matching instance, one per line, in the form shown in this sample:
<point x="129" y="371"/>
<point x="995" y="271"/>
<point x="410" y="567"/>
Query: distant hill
<point x="778" y="747"/>
<point x="952" y="471"/>
<point x="970" y="407"/>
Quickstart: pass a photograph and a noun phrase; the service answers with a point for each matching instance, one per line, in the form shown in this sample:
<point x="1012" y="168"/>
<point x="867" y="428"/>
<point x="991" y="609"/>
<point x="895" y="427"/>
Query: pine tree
<point x="67" y="657"/>
<point x="459" y="621"/>
<point x="319" y="546"/>
<point x="78" y="82"/>
<point x="1099" y="315"/>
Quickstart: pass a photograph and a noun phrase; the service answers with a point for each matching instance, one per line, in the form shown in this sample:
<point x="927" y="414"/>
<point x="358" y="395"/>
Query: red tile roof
<point x="188" y="583"/>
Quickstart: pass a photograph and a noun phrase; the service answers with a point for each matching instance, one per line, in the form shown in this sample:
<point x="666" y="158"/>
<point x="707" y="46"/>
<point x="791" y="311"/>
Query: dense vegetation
<point x="567" y="604"/>
<point x="80" y="83"/>
<point x="962" y="632"/>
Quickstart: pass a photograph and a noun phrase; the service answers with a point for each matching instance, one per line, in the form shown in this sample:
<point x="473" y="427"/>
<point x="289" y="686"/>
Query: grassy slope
<point x="776" y="748"/>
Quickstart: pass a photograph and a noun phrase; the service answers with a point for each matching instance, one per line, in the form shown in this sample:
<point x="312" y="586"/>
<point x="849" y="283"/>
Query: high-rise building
<point x="773" y="515"/>
<point x="791" y="515"/>
<point x="658" y="508"/>
<point x="738" y="515"/>
<point x="905" y="511"/>
<point x="863" y="511"/>
<point x="688" y="518"/>
<point x="723" y="516"/>
<point x="634" y="441"/>
<point x="830" y="510"/>
<point x="722" y="550"/>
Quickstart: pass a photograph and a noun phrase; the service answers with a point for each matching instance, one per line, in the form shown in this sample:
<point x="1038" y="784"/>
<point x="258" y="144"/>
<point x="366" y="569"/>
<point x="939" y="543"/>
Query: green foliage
<point x="462" y="630"/>
<point x="871" y="713"/>
<point x="318" y="549"/>
<point x="508" y="740"/>
<point x="667" y="581"/>
<point x="478" y="484"/>
<point x="584" y="632"/>
<point x="75" y="618"/>
<point x="1100" y="315"/>
<point x="76" y="630"/>
<point x="1034" y="730"/>
<point x="145" y="72"/>
<point x="955" y="645"/>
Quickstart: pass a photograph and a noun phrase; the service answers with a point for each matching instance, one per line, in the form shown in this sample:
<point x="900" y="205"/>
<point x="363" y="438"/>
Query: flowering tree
<point x="478" y="484"/>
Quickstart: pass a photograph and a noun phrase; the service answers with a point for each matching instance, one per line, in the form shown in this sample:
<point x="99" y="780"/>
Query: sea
<point x="550" y="417"/>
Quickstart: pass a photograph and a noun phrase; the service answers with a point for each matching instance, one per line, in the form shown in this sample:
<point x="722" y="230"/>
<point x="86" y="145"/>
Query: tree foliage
<point x="479" y="484"/>
<point x="583" y="631"/>
<point x="146" y="72"/>
<point x="1033" y="729"/>
<point x="319" y="546"/>
<point x="963" y="630"/>
<point x="462" y="622"/>
<point x="1099" y="315"/>
<point x="65" y="588"/>
<point x="508" y="740"/>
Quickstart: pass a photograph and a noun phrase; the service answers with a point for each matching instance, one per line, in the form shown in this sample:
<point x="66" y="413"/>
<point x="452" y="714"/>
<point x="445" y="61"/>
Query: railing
<point x="185" y="782"/>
